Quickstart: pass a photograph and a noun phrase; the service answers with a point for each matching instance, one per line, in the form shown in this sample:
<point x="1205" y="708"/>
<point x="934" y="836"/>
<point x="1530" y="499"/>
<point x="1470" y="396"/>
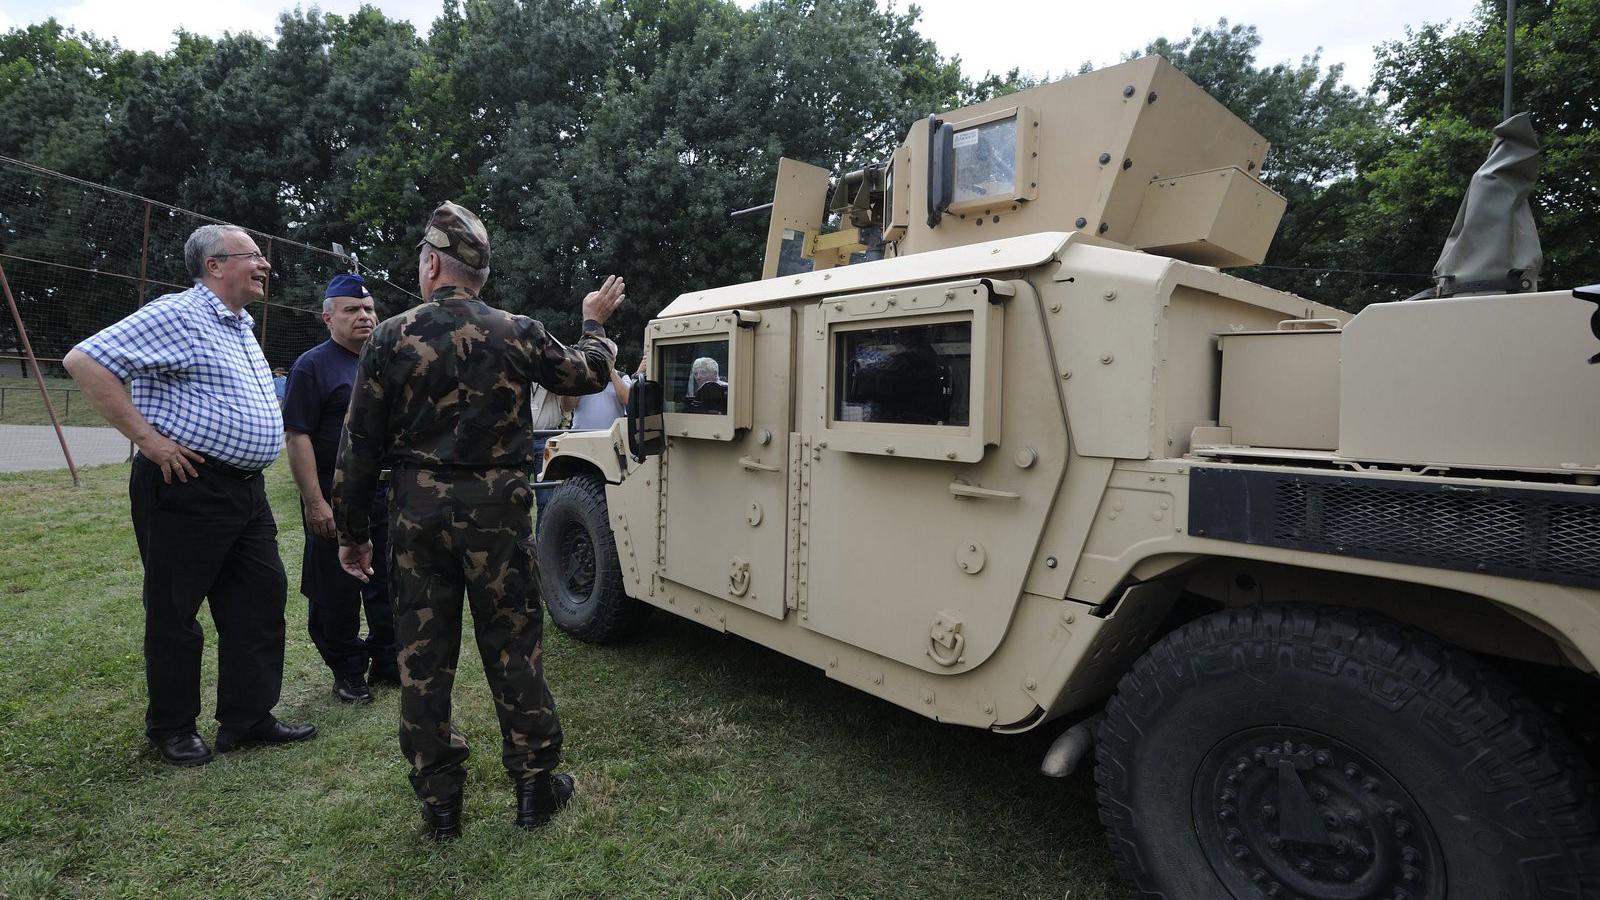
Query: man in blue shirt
<point x="206" y="423"/>
<point x="313" y="418"/>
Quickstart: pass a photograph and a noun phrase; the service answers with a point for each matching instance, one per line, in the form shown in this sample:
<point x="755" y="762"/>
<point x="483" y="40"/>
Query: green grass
<point x="22" y="404"/>
<point x="707" y="766"/>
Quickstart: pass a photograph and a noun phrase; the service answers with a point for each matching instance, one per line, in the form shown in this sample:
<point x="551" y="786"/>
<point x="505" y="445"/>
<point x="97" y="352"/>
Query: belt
<point x="221" y="468"/>
<point x="215" y="467"/>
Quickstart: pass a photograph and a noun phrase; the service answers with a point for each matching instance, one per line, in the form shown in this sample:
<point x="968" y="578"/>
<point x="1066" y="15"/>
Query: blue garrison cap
<point x="347" y="286"/>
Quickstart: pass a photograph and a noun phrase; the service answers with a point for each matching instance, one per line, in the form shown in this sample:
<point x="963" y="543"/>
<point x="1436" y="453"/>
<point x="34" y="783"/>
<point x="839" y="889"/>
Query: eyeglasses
<point x="252" y="255"/>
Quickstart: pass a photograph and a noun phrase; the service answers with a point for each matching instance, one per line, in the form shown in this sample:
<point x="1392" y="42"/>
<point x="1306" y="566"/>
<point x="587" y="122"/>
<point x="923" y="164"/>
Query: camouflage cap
<point x="455" y="231"/>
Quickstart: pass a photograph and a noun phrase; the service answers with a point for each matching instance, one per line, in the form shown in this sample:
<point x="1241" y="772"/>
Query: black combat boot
<point x="540" y="799"/>
<point x="442" y="820"/>
<point x="352" y="689"/>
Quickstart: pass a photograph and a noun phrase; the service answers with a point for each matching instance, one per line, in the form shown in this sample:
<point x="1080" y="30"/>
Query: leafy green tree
<point x="1444" y="88"/>
<point x="56" y="89"/>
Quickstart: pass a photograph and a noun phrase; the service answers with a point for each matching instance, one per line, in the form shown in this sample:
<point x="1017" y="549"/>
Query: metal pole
<point x="144" y="284"/>
<point x="1511" y="30"/>
<point x="38" y="376"/>
<point x="144" y="254"/>
<point x="265" y="306"/>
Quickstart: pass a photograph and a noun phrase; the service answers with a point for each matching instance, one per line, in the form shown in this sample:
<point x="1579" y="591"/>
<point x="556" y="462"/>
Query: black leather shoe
<point x="352" y="690"/>
<point x="540" y="799"/>
<point x="442" y="820"/>
<point x="274" y="732"/>
<point x="184" y="750"/>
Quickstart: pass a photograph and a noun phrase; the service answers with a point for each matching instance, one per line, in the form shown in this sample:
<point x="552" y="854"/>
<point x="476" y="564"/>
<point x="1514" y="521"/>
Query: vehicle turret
<point x="1136" y="155"/>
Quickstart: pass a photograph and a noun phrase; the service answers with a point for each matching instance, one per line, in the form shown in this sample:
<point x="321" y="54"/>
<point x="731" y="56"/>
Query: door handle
<point x="756" y="465"/>
<point x="963" y="491"/>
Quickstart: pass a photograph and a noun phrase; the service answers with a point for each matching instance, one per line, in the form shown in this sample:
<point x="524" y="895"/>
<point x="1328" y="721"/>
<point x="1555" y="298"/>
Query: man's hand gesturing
<point x="599" y="305"/>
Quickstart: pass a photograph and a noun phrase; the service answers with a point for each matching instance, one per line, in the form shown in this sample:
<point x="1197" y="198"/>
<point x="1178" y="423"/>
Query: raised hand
<point x="599" y="305"/>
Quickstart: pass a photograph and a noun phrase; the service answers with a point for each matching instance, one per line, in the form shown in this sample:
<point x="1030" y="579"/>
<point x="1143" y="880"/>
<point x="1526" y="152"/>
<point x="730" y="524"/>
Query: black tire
<point x="1416" y="770"/>
<point x="579" y="573"/>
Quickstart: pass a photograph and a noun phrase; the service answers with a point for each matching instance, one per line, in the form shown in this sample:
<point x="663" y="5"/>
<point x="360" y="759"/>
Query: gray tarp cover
<point x="1494" y="233"/>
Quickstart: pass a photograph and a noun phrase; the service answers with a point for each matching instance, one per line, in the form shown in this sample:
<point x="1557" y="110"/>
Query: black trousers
<point x="334" y="599"/>
<point x="210" y="538"/>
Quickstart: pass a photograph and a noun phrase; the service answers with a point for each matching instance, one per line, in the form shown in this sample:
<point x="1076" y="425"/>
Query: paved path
<point x="24" y="447"/>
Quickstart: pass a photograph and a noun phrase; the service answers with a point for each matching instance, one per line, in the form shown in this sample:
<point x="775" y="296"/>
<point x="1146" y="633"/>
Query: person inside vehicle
<point x="708" y="393"/>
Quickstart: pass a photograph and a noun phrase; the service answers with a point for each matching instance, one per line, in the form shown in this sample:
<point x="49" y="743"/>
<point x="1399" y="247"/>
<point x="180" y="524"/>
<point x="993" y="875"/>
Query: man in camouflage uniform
<point x="441" y="396"/>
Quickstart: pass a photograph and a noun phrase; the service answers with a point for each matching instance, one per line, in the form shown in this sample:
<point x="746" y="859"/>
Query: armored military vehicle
<point x="996" y="440"/>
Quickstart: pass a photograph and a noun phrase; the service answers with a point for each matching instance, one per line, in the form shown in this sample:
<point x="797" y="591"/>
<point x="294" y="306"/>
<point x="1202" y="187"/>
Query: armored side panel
<point x="1497" y="382"/>
<point x="1281" y="388"/>
<point x="1223" y="217"/>
<point x="797" y="208"/>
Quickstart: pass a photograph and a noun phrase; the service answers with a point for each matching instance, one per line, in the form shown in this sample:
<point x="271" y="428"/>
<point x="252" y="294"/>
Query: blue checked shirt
<point x="198" y="376"/>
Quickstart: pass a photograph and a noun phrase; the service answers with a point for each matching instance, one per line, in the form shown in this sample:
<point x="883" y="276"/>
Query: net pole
<point x="266" y="295"/>
<point x="1511" y="31"/>
<point x="144" y="280"/>
<point x="38" y="376"/>
<point x="144" y="256"/>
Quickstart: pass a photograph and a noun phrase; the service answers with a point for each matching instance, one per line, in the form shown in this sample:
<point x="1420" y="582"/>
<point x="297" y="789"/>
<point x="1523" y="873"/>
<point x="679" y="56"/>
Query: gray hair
<point x="455" y="270"/>
<point x="705" y="364"/>
<point x="204" y="243"/>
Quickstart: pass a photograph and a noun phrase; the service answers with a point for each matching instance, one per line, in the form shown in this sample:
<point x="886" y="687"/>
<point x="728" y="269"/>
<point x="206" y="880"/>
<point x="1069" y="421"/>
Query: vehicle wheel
<point x="579" y="573"/>
<point x="1317" y="752"/>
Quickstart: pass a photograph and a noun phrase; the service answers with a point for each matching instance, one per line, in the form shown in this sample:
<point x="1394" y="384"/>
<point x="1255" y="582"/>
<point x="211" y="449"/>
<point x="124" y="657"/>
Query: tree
<point x="1444" y="88"/>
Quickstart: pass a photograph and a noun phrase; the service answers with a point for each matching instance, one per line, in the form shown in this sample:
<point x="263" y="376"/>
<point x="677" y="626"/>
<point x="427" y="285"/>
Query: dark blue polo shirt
<point x="317" y="398"/>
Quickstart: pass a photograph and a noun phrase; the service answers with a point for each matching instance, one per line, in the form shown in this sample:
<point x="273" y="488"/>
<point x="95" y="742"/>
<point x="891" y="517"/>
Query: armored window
<point x="911" y="374"/>
<point x="996" y="159"/>
<point x="702" y="363"/>
<point x="914" y="371"/>
<point x="694" y="377"/>
<point x="791" y="249"/>
<point x="986" y="160"/>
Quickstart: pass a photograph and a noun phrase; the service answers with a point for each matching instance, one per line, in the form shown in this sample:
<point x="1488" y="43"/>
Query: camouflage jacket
<point x="445" y="385"/>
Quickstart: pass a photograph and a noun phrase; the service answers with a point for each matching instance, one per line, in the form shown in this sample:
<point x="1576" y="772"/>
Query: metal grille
<point x="1524" y="533"/>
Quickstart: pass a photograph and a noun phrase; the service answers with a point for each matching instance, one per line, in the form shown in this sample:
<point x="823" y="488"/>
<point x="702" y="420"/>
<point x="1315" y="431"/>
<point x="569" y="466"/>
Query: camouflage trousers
<point x="455" y="531"/>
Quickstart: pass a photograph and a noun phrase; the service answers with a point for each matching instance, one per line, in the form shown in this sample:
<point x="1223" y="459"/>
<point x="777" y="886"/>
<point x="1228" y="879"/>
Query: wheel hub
<point x="578" y="561"/>
<point x="1291" y="813"/>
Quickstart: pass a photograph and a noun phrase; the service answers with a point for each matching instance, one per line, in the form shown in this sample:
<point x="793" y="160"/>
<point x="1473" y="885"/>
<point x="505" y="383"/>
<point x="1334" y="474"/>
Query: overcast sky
<point x="1040" y="36"/>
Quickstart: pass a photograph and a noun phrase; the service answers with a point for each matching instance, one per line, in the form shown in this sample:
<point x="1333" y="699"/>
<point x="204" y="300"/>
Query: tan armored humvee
<point x="1007" y="449"/>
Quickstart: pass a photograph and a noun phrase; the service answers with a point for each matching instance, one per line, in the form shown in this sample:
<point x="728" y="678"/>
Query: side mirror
<point x="647" y="434"/>
<point x="1591" y="294"/>
<point x="941" y="169"/>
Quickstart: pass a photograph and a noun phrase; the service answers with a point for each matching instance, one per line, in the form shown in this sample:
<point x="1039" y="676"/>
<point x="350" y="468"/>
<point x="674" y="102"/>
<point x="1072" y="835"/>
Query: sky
<point x="1042" y="37"/>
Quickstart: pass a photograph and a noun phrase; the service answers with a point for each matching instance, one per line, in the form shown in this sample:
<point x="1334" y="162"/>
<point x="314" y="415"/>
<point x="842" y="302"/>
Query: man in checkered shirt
<point x="206" y="422"/>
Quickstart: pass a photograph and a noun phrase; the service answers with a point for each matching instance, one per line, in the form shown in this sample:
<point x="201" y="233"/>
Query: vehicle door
<point x="725" y="380"/>
<point x="917" y="528"/>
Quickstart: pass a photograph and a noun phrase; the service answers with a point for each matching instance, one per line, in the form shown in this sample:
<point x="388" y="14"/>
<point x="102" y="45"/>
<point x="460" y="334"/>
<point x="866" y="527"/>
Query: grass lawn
<point x="22" y="404"/>
<point x="706" y="766"/>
